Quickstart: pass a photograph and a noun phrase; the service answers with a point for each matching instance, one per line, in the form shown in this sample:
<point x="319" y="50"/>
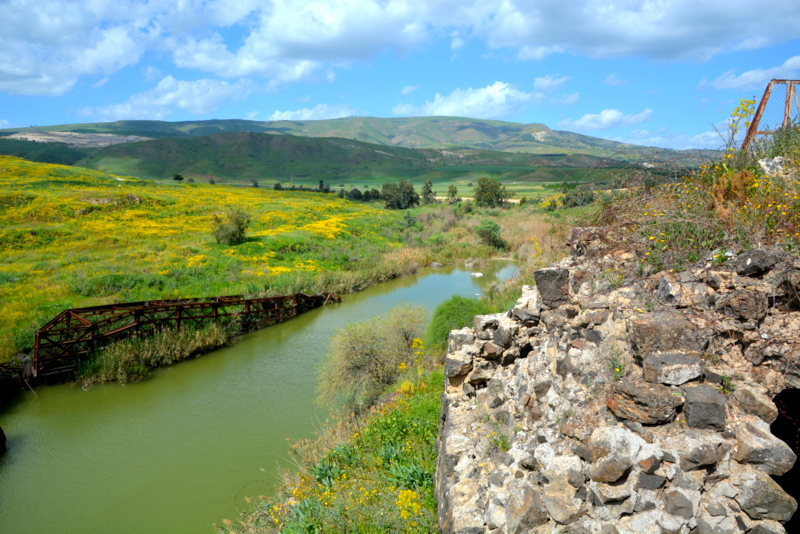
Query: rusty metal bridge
<point x="72" y="335"/>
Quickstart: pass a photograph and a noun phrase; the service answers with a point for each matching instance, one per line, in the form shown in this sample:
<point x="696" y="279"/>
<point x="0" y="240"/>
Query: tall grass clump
<point x="366" y="357"/>
<point x="452" y="314"/>
<point x="134" y="358"/>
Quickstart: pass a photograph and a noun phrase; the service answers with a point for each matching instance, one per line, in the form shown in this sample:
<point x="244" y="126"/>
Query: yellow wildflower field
<point x="74" y="237"/>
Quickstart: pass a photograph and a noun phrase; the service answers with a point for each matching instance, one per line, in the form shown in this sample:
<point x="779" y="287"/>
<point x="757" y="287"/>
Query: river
<point x="170" y="454"/>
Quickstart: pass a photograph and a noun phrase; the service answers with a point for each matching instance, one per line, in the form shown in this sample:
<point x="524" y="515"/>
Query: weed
<point x="726" y="385"/>
<point x="617" y="367"/>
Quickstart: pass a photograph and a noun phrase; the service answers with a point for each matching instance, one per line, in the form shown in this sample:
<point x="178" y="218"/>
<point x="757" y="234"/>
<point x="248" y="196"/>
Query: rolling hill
<point x="245" y="156"/>
<point x="455" y="133"/>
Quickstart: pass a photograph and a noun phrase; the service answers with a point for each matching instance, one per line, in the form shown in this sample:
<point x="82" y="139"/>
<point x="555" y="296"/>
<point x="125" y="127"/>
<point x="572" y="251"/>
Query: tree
<point x="452" y="195"/>
<point x="177" y="178"/>
<point x="428" y="195"/>
<point x="255" y="183"/>
<point x="355" y="194"/>
<point x="490" y="193"/>
<point x="277" y="186"/>
<point x="231" y="229"/>
<point x="400" y="196"/>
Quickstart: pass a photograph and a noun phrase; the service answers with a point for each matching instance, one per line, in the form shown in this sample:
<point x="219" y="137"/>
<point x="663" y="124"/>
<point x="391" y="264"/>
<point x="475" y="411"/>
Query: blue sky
<point x="658" y="73"/>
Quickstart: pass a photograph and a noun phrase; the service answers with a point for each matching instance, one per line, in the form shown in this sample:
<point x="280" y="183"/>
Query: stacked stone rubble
<point x="607" y="403"/>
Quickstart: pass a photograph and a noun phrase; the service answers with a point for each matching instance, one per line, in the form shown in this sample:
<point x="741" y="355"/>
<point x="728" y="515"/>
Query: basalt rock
<point x="582" y="411"/>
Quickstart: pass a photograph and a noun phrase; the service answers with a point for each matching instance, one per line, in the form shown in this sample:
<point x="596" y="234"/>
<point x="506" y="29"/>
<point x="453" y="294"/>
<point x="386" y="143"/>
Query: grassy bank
<point x="73" y="237"/>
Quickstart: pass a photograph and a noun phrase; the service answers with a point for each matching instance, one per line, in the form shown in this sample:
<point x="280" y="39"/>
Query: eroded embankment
<point x="606" y="403"/>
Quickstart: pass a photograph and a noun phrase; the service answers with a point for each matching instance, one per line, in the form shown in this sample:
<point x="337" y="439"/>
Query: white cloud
<point x="151" y="74"/>
<point x="47" y="45"/>
<point x="251" y="116"/>
<point x="551" y="82"/>
<point x="605" y="120"/>
<point x="676" y="141"/>
<point x="306" y="98"/>
<point x="198" y="97"/>
<point x="566" y="100"/>
<point x="494" y="101"/>
<point x="318" y="113"/>
<point x="408" y="89"/>
<point x="757" y="78"/>
<point x="4" y="123"/>
<point x="613" y="81"/>
<point x="100" y="83"/>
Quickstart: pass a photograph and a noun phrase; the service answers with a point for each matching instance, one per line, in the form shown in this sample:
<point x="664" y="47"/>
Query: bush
<point x="489" y="232"/>
<point x="575" y="199"/>
<point x="452" y="314"/>
<point x="231" y="230"/>
<point x="366" y="357"/>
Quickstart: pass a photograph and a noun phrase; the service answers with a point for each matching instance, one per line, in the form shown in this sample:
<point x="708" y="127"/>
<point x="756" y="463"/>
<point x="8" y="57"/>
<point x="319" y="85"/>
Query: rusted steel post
<point x="36" y="346"/>
<point x="787" y="108"/>
<point x="751" y="131"/>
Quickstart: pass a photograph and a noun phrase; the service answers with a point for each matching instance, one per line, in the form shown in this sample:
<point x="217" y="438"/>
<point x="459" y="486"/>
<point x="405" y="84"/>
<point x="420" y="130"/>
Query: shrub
<point x="452" y="195"/>
<point x="489" y="232"/>
<point x="365" y="357"/>
<point x="177" y="178"/>
<point x="231" y="230"/>
<point x="454" y="313"/>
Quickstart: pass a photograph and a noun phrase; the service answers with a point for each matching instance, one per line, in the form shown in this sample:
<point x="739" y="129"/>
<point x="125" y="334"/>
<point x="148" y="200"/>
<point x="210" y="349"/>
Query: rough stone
<point x="753" y="402"/>
<point x="524" y="508"/>
<point x="528" y="309"/>
<point x="553" y="285"/>
<point x="463" y="515"/>
<point x="482" y="372"/>
<point x="458" y="363"/>
<point x="650" y="482"/>
<point x="644" y="403"/>
<point x="559" y="500"/>
<point x="614" y="451"/>
<point x="708" y="524"/>
<point x="744" y="304"/>
<point x="671" y="368"/>
<point x="677" y="503"/>
<point x="756" y="445"/>
<point x="768" y="526"/>
<point x="754" y="262"/>
<point x="458" y="338"/>
<point x="667" y="331"/>
<point x="492" y="351"/>
<point x="485" y="325"/>
<point x="704" y="407"/>
<point x="761" y="497"/>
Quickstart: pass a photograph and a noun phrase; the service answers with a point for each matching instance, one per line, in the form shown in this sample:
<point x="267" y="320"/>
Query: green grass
<point x="455" y="313"/>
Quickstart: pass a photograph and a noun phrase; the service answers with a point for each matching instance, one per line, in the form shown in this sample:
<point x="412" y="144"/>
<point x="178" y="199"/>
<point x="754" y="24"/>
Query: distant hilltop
<point x="410" y="132"/>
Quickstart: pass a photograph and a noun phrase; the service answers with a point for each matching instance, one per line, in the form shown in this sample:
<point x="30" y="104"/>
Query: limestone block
<point x="672" y="368"/>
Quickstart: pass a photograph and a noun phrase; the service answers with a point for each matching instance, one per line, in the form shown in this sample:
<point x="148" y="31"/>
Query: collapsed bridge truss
<point x="64" y="341"/>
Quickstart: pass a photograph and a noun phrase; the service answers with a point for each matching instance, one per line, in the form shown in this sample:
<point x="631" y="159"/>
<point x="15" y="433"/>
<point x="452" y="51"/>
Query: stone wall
<point x="607" y="403"/>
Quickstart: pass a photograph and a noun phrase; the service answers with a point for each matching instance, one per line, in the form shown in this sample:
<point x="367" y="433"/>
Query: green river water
<point x="170" y="454"/>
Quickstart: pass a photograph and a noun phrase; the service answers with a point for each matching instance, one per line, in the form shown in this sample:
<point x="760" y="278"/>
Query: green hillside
<point x="241" y="157"/>
<point x="412" y="132"/>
